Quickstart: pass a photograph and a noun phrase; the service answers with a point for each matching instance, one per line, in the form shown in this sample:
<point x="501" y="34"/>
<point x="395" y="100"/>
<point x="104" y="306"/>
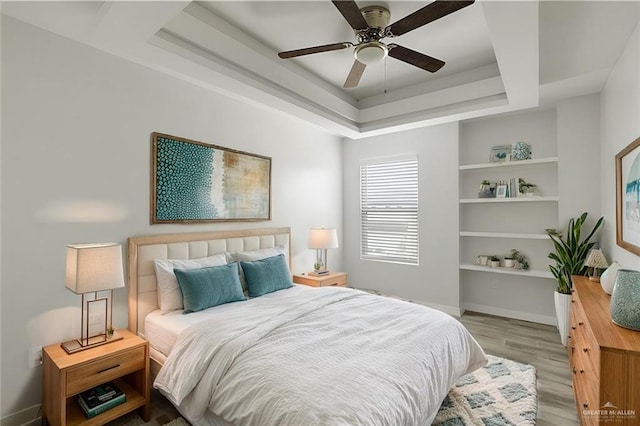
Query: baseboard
<point x="507" y="313"/>
<point x="451" y="310"/>
<point x="27" y="417"/>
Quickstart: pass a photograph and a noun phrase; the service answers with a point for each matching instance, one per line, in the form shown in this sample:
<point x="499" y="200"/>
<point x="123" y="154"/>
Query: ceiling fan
<point x="371" y="25"/>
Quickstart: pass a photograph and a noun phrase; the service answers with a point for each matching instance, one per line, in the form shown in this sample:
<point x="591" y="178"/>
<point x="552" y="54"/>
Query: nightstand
<point x="125" y="362"/>
<point x="331" y="279"/>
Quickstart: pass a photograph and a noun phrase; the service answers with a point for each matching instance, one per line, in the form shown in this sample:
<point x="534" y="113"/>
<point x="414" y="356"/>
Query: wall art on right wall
<point x="628" y="197"/>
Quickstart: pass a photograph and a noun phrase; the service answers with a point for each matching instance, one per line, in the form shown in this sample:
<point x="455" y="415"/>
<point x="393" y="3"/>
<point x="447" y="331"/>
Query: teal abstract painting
<point x="198" y="182"/>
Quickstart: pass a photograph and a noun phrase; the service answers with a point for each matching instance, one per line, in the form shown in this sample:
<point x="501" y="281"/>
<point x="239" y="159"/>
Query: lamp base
<point x="77" y="345"/>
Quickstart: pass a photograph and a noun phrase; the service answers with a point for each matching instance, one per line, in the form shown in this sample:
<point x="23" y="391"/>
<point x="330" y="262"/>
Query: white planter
<point x="562" y="303"/>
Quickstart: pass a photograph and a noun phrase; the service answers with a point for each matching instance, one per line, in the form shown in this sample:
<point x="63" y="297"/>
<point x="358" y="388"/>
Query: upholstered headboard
<point x="141" y="252"/>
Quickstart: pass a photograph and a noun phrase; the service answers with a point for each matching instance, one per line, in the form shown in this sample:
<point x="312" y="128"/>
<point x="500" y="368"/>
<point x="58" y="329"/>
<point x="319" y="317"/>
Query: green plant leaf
<point x="570" y="254"/>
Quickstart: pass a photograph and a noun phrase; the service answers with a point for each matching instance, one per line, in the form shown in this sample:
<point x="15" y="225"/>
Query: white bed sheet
<point x="162" y="330"/>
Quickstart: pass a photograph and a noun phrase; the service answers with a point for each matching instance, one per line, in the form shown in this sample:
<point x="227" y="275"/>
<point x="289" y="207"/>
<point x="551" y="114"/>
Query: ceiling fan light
<point x="370" y="53"/>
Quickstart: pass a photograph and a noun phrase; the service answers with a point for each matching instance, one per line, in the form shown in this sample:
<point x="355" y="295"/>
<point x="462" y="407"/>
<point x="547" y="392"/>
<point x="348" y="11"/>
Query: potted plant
<point x="520" y="261"/>
<point x="494" y="261"/>
<point x="509" y="262"/>
<point x="569" y="257"/>
<point x="527" y="189"/>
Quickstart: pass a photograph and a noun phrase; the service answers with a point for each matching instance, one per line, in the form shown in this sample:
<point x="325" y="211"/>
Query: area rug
<point x="177" y="422"/>
<point x="503" y="393"/>
<point x="135" y="420"/>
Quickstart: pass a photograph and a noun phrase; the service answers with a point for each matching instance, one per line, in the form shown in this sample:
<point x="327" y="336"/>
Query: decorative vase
<point x="509" y="263"/>
<point x="608" y="277"/>
<point x="521" y="151"/>
<point x="625" y="299"/>
<point x="562" y="303"/>
<point x="482" y="260"/>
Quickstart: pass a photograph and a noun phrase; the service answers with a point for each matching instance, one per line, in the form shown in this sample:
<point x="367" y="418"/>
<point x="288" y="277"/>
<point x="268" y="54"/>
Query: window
<point x="389" y="210"/>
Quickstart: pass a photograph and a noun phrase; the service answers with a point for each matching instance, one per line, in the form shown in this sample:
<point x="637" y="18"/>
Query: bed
<point x="299" y="355"/>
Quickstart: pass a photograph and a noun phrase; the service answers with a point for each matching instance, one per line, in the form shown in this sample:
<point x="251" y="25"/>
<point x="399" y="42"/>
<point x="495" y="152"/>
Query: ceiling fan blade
<point x="354" y="75"/>
<point x="414" y="58"/>
<point x="429" y="13"/>
<point x="315" y="49"/>
<point x="351" y="13"/>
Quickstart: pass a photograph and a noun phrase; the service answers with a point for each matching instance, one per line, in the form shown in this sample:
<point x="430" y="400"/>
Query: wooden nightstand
<point x="331" y="279"/>
<point x="125" y="362"/>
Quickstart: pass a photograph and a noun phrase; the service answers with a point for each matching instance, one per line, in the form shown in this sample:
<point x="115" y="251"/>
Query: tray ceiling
<point x="490" y="48"/>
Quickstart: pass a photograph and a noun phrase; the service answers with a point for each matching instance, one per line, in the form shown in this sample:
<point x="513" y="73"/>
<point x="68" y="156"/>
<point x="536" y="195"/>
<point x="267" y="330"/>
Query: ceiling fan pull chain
<point x="385" y="75"/>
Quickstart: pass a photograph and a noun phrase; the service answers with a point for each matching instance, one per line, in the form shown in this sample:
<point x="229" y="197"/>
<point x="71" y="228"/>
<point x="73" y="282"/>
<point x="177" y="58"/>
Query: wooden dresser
<point x="604" y="359"/>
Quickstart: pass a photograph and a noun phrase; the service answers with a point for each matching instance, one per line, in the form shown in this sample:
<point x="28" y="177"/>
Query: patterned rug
<point x="503" y="393"/>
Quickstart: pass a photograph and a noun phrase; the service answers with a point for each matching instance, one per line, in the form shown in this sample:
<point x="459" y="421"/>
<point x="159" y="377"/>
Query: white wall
<point x="435" y="280"/>
<point x="522" y="297"/>
<point x="620" y="111"/>
<point x="579" y="160"/>
<point x="76" y="128"/>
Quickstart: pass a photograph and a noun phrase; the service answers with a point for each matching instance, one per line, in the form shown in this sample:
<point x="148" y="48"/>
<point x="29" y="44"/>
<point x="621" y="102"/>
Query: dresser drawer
<point x="586" y="394"/>
<point x="582" y="344"/>
<point x="105" y="369"/>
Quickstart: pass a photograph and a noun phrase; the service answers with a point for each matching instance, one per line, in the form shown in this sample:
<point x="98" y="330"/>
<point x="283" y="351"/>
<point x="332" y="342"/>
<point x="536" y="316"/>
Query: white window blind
<point x="389" y="210"/>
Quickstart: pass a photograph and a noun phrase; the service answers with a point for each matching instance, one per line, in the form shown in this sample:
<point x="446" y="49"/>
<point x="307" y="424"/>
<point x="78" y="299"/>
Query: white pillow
<point x="251" y="255"/>
<point x="169" y="294"/>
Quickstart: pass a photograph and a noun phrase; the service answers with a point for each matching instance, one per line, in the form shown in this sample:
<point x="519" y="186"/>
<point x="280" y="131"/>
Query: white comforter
<point x="324" y="356"/>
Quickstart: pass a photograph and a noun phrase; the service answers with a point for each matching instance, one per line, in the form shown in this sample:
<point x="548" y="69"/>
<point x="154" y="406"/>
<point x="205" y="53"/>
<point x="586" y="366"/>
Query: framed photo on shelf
<point x="501" y="191"/>
<point x="628" y="197"/>
<point x="500" y="154"/>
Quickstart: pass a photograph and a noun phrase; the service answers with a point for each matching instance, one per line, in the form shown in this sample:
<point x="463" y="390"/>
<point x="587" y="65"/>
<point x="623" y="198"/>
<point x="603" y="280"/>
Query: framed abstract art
<point x="195" y="182"/>
<point x="628" y="197"/>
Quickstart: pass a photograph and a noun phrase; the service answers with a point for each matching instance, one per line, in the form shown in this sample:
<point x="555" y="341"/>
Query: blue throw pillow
<point x="266" y="275"/>
<point x="207" y="287"/>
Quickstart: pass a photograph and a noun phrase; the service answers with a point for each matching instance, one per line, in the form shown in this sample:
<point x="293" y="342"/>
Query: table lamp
<point x="322" y="239"/>
<point x="597" y="262"/>
<point x="93" y="268"/>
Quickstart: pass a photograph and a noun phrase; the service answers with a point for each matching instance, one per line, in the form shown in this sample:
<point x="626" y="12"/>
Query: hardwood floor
<point x="535" y="344"/>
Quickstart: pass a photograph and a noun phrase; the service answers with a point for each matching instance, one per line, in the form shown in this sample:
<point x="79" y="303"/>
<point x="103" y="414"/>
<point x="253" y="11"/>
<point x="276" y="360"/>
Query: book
<point x="100" y="394"/>
<point x="107" y="405"/>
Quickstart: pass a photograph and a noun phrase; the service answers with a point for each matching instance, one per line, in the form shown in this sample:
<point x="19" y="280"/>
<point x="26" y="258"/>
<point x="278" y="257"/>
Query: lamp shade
<point x="323" y="238"/>
<point x="94" y="267"/>
<point x="596" y="259"/>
